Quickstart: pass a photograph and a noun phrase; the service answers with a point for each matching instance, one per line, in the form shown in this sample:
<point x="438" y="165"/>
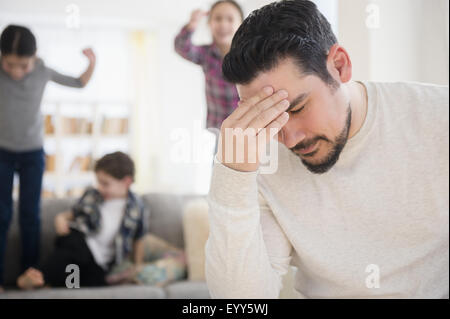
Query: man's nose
<point x="291" y="134"/>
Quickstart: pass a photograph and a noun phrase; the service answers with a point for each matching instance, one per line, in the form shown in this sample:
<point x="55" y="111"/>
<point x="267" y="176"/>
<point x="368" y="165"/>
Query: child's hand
<point x="196" y="16"/>
<point x="61" y="225"/>
<point x="90" y="55"/>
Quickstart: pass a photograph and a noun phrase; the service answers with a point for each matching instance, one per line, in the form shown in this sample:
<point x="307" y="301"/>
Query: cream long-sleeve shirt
<point x="376" y="225"/>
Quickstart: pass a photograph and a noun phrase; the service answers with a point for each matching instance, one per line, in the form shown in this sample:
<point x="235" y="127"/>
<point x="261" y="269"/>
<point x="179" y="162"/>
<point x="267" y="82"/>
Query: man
<point x="359" y="202"/>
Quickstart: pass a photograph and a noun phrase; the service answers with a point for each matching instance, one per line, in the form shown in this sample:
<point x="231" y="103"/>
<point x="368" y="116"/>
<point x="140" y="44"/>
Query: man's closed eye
<point x="299" y="110"/>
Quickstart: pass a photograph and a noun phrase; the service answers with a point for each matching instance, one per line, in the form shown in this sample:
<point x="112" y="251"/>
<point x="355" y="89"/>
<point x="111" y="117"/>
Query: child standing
<point x="224" y="19"/>
<point x="23" y="78"/>
<point x="103" y="229"/>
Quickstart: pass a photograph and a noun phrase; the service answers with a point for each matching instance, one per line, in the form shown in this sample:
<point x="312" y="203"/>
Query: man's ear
<point x="339" y="64"/>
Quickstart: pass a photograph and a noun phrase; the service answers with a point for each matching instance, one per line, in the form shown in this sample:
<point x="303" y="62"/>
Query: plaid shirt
<point x="221" y="96"/>
<point x="87" y="219"/>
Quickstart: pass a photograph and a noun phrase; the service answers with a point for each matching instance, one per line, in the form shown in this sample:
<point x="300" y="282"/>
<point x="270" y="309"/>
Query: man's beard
<point x="333" y="156"/>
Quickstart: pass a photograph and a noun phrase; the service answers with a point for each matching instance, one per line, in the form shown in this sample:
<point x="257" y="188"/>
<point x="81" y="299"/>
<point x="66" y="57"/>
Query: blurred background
<point x="146" y="100"/>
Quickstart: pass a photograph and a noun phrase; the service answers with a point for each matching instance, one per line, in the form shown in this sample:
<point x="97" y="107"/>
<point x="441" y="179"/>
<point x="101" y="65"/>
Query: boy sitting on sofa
<point x="104" y="235"/>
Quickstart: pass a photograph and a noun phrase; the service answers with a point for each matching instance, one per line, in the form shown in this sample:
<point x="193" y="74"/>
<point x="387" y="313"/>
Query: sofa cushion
<point x="187" y="290"/>
<point x="166" y="211"/>
<point x="113" y="292"/>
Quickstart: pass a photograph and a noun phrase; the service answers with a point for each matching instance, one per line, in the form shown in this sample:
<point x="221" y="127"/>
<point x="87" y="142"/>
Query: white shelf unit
<point x="66" y="146"/>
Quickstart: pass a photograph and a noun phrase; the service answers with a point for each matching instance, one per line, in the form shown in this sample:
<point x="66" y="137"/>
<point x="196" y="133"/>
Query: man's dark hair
<point x="17" y="40"/>
<point x="232" y="2"/>
<point x="117" y="164"/>
<point x="287" y="29"/>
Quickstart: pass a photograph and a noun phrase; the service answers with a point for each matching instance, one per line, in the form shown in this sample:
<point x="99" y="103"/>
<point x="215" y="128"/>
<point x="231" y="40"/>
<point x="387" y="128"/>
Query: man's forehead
<point x="285" y="76"/>
<point x="263" y="80"/>
<point x="247" y="91"/>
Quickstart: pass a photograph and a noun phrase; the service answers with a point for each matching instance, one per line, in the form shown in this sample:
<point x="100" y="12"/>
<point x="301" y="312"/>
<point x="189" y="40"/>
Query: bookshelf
<point x="76" y="134"/>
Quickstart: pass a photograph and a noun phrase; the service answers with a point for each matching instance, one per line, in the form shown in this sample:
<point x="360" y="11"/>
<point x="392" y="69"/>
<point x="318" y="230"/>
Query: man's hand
<point x="245" y="133"/>
<point x="196" y="16"/>
<point x="90" y="55"/>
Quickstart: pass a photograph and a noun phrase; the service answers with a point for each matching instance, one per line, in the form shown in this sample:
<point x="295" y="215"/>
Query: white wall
<point x="410" y="43"/>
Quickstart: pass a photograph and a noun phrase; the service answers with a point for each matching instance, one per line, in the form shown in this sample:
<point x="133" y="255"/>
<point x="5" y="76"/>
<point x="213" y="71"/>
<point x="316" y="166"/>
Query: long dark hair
<point x="17" y="40"/>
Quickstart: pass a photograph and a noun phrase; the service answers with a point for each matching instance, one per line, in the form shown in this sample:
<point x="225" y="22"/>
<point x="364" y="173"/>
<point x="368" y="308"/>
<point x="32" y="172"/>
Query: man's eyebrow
<point x="300" y="98"/>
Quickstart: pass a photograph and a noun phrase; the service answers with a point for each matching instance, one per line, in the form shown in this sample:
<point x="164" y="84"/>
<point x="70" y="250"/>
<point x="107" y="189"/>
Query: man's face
<point x="110" y="187"/>
<point x="16" y="66"/>
<point x="319" y="116"/>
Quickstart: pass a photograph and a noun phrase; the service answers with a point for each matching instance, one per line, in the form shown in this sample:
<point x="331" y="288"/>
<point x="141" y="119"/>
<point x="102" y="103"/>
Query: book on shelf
<point x="49" y="128"/>
<point x="75" y="191"/>
<point x="81" y="164"/>
<point x="50" y="162"/>
<point x="114" y="126"/>
<point x="71" y="125"/>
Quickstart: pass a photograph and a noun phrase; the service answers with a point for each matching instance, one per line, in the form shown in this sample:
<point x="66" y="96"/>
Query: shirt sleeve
<point x="185" y="48"/>
<point x="247" y="253"/>
<point x="86" y="211"/>
<point x="88" y="199"/>
<point x="64" y="79"/>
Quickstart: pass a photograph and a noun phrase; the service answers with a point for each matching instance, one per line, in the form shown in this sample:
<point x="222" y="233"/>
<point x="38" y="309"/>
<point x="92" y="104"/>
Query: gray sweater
<point x="20" y="103"/>
<point x="373" y="226"/>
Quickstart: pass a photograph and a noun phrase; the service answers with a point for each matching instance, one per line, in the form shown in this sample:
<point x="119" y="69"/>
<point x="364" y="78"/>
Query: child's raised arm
<point x="196" y="17"/>
<point x="86" y="76"/>
<point x="183" y="42"/>
<point x="81" y="81"/>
